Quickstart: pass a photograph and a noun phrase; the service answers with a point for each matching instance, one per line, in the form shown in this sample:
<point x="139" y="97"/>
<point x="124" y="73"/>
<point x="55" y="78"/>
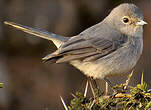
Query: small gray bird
<point x="110" y="47"/>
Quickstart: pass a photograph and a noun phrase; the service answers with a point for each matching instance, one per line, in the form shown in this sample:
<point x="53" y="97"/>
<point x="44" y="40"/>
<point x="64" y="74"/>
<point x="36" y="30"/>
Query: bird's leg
<point x="116" y="89"/>
<point x="93" y="86"/>
<point x="94" y="83"/>
<point x="112" y="86"/>
<point x="109" y="82"/>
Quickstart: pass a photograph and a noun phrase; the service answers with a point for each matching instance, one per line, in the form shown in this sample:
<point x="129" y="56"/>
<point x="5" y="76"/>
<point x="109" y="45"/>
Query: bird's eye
<point x="125" y="20"/>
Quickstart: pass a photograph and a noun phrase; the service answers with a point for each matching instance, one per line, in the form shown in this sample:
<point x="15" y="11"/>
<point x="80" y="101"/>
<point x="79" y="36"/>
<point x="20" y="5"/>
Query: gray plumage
<point x="110" y="47"/>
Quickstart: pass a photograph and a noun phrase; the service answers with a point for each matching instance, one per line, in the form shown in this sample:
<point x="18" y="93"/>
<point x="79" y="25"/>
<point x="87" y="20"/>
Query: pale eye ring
<point x="125" y="20"/>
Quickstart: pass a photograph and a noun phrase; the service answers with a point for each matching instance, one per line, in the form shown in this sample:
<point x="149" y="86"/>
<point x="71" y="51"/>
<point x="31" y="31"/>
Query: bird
<point x="112" y="46"/>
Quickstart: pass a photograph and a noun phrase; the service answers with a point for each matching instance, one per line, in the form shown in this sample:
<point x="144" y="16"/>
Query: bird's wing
<point x="84" y="49"/>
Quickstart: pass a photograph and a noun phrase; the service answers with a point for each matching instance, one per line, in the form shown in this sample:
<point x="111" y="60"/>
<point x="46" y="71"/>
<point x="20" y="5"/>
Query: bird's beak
<point x="141" y="23"/>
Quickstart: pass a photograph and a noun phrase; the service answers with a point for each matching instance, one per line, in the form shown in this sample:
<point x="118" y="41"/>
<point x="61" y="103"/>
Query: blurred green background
<point x="33" y="85"/>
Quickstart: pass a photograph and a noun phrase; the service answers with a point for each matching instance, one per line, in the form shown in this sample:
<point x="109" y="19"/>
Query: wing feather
<point x="78" y="48"/>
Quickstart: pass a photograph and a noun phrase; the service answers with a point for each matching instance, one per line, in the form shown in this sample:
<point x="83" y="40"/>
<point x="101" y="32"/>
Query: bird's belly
<point x="116" y="63"/>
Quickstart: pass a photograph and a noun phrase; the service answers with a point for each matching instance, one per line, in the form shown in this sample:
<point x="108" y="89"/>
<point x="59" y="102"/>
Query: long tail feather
<point x="56" y="39"/>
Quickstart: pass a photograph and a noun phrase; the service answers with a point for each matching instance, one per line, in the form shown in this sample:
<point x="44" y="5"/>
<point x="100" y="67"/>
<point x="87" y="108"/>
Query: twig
<point x="106" y="89"/>
<point x="73" y="95"/>
<point x="64" y="104"/>
<point x="86" y="89"/>
<point x="128" y="80"/>
<point x="142" y="78"/>
<point x="121" y="95"/>
<point x="92" y="104"/>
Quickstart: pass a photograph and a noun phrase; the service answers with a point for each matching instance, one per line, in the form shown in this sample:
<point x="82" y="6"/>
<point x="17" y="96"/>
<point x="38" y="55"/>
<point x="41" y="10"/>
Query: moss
<point x="139" y="97"/>
<point x="136" y="98"/>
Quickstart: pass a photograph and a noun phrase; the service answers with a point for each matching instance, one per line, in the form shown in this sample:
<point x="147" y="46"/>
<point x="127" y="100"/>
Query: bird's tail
<point x="56" y="39"/>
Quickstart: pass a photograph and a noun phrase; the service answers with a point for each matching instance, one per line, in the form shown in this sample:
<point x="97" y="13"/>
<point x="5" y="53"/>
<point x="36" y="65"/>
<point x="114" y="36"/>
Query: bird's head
<point x="127" y="18"/>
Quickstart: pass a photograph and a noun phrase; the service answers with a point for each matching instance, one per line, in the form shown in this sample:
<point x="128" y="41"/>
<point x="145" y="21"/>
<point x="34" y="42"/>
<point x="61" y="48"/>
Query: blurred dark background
<point x="33" y="85"/>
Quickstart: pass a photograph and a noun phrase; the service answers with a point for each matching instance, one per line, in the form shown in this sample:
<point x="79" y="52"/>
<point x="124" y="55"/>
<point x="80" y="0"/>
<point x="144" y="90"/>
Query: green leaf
<point x="148" y="106"/>
<point x="1" y="85"/>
